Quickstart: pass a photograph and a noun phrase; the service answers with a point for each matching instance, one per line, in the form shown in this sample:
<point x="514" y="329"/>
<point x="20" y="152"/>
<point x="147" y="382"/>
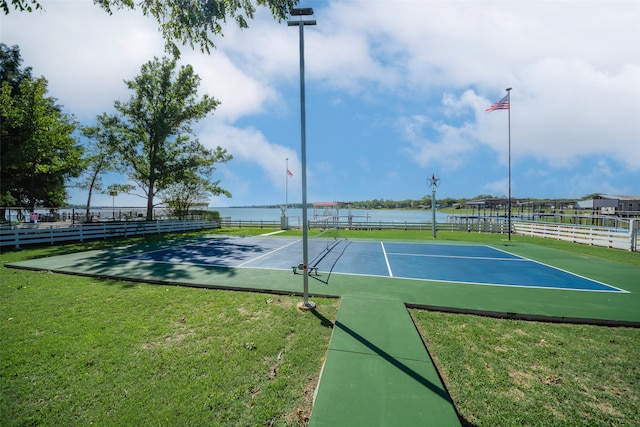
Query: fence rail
<point x="626" y="239"/>
<point x="618" y="238"/>
<point x="481" y="227"/>
<point x="22" y="236"/>
<point x="250" y="223"/>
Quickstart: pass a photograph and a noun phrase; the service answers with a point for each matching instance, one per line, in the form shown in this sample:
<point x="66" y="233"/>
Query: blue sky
<point x="395" y="90"/>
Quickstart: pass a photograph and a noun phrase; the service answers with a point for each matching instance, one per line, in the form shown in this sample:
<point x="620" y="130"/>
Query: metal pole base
<point x="304" y="306"/>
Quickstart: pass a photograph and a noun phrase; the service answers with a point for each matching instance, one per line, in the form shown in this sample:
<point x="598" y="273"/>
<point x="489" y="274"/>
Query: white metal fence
<point x="42" y="234"/>
<point x="619" y="238"/>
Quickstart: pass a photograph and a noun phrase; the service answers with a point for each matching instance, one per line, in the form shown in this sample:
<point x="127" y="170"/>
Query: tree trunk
<point x="87" y="213"/>
<point x="93" y="182"/>
<point x="150" y="201"/>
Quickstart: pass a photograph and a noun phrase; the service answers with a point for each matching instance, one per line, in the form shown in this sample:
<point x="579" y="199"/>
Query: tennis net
<point x="321" y="244"/>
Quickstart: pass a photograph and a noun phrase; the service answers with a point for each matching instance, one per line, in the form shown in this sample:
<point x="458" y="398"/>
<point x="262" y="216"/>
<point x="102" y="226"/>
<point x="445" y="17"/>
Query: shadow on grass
<point x="323" y="320"/>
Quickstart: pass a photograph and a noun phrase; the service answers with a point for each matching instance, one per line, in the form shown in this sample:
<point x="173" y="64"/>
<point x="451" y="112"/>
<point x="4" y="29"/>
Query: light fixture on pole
<point x="305" y="304"/>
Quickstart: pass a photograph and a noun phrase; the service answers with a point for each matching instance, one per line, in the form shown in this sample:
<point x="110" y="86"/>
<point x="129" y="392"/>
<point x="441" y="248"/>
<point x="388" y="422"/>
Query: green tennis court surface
<point x="433" y="262"/>
<point x="377" y="371"/>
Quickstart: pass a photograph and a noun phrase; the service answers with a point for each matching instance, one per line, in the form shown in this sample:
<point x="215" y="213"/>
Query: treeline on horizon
<point x="425" y="202"/>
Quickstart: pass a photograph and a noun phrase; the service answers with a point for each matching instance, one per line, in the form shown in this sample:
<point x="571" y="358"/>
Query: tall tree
<point x="153" y="129"/>
<point x="12" y="73"/>
<point x="38" y="150"/>
<point x="191" y="191"/>
<point x="99" y="157"/>
<point x="193" y="23"/>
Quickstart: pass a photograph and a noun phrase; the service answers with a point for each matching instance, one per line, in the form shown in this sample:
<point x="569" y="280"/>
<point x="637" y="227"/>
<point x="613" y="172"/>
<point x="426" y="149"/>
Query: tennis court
<point x="467" y="264"/>
<point x="376" y="355"/>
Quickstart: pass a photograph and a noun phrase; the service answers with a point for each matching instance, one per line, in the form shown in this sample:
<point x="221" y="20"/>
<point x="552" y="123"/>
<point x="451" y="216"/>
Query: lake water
<point x="256" y="214"/>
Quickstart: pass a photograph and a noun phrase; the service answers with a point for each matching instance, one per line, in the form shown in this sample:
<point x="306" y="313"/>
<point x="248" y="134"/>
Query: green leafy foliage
<point x="152" y="132"/>
<point x="99" y="158"/>
<point x="39" y="150"/>
<point x="194" y="23"/>
<point x="20" y="5"/>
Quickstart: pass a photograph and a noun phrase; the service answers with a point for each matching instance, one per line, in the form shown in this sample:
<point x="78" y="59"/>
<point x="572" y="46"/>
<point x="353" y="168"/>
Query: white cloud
<point x="238" y="92"/>
<point x="567" y="89"/>
<point x="87" y="76"/>
<point x="250" y="145"/>
<point x="584" y="182"/>
<point x="567" y="112"/>
<point x="431" y="66"/>
<point x="450" y="146"/>
<point x="469" y="101"/>
<point x="230" y="180"/>
<point x="498" y="188"/>
<point x="267" y="50"/>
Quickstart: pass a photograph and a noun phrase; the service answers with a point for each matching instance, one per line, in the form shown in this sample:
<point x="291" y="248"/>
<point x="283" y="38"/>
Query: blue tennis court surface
<point x="482" y="265"/>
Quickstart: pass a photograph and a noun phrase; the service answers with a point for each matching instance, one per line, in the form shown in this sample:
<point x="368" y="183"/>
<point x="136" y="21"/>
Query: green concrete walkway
<point x="378" y="372"/>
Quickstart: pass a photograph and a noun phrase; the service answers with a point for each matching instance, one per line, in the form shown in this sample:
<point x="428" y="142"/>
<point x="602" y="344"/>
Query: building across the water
<point x="606" y="204"/>
<point x="601" y="204"/>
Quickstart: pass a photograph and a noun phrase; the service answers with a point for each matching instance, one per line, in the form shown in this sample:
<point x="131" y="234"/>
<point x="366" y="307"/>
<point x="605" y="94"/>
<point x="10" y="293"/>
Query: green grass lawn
<point x="517" y="373"/>
<point x="79" y="350"/>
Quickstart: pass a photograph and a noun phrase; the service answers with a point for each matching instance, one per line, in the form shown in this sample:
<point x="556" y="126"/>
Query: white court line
<point x="519" y="259"/>
<point x="273" y="233"/>
<point x="268" y="253"/>
<point x="386" y="259"/>
<point x="505" y="285"/>
<point x="565" y="271"/>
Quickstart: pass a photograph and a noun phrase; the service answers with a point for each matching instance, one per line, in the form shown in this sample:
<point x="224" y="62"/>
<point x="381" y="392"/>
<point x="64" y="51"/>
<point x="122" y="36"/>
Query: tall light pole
<point x="509" y="202"/>
<point x="306" y="304"/>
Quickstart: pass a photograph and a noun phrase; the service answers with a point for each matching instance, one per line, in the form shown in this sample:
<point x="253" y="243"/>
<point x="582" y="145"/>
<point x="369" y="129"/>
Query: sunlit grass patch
<point x="79" y="350"/>
<point x="506" y="372"/>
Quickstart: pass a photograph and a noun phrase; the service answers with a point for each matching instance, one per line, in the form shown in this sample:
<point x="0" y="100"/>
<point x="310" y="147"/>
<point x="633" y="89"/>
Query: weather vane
<point x="433" y="181"/>
<point x="433" y="184"/>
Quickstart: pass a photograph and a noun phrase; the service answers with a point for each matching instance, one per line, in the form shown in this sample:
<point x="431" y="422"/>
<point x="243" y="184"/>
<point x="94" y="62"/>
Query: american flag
<point x="503" y="104"/>
<point x="289" y="173"/>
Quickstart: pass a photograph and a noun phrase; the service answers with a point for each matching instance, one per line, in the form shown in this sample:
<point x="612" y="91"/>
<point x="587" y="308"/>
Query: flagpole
<point x="286" y="194"/>
<point x="505" y="104"/>
<point x="509" y="202"/>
